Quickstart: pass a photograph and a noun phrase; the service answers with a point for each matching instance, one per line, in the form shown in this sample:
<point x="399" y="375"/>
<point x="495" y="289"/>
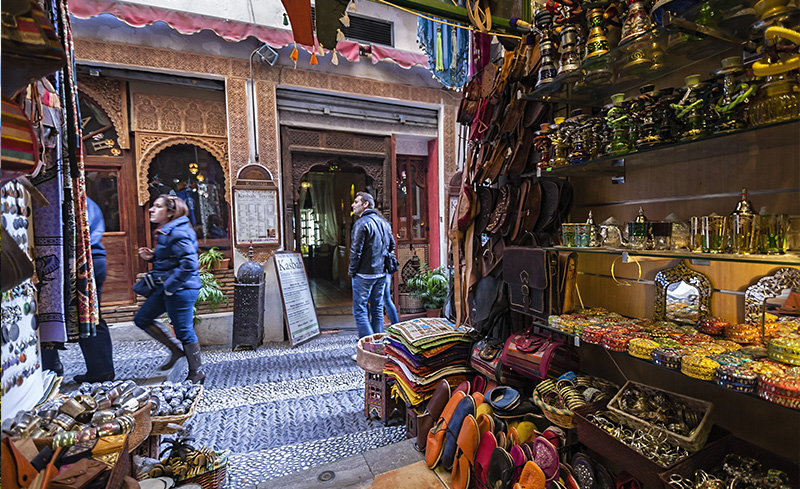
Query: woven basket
<point x="367" y="360"/>
<point x="563" y="418"/>
<point x="161" y="423"/>
<point x="691" y="443"/>
<point x="210" y="480"/>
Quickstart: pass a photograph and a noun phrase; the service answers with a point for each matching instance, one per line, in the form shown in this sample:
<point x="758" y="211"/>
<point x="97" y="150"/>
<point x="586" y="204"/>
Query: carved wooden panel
<point x="178" y="115"/>
<point x="238" y="126"/>
<point x="111" y="96"/>
<point x="148" y="145"/>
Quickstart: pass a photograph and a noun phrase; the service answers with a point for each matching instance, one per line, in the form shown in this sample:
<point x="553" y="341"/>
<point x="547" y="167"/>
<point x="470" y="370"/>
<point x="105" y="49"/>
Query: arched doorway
<point x="322" y="224"/>
<point x="194" y="175"/>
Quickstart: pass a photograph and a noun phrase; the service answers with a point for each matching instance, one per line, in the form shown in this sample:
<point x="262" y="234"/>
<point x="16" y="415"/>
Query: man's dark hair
<point x="367" y="198"/>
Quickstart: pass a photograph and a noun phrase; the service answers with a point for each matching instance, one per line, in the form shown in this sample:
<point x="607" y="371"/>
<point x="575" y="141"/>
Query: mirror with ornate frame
<point x="776" y="295"/>
<point x="683" y="295"/>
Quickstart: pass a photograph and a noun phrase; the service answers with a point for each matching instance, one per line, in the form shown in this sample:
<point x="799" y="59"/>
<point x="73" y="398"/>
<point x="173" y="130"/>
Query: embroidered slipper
<point x="546" y="457"/>
<point x="584" y="471"/>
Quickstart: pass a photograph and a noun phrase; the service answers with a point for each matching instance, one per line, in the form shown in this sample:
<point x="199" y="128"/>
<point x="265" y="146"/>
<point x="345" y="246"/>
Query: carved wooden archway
<point x="303" y="149"/>
<point x="148" y="145"/>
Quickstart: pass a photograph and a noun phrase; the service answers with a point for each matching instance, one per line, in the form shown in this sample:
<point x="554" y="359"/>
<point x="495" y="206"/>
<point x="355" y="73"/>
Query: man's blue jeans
<point x="178" y="306"/>
<point x="388" y="305"/>
<point x="368" y="304"/>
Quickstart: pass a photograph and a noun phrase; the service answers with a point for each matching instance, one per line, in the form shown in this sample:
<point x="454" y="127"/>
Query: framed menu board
<point x="256" y="213"/>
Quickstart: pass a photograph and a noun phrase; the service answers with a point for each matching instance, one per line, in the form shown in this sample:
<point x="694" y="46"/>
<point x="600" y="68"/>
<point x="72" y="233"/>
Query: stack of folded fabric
<point x="423" y="351"/>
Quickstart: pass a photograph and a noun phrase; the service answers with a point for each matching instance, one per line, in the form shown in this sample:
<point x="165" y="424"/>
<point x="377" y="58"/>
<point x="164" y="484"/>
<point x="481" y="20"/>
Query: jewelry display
<point x="652" y="444"/>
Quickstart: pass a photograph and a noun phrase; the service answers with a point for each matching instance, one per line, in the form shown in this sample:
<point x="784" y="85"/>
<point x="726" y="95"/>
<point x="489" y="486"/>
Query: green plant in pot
<point x="430" y="286"/>
<point x="210" y="293"/>
<point x="211" y="259"/>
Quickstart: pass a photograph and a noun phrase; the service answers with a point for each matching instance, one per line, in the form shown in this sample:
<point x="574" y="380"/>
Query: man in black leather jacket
<point x="372" y="241"/>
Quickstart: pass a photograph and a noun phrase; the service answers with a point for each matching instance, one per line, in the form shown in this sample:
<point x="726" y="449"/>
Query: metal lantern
<point x="248" y="305"/>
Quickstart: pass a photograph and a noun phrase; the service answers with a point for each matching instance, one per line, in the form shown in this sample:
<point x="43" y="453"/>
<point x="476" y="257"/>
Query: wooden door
<point x="111" y="184"/>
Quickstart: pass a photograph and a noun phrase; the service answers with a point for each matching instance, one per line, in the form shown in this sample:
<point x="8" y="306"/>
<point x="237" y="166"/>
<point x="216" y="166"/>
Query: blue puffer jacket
<point x="175" y="257"/>
<point x="372" y="241"/>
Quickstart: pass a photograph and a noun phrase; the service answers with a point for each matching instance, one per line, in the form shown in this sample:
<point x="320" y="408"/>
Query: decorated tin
<point x="668" y="357"/>
<point x="642" y="348"/>
<point x="699" y="367"/>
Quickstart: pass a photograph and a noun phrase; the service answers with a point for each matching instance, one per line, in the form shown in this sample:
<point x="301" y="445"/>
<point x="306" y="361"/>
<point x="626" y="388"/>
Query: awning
<point x="137" y="15"/>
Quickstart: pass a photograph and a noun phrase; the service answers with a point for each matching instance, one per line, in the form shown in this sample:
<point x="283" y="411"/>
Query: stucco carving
<point x="149" y="145"/>
<point x="111" y="96"/>
<point x="178" y="115"/>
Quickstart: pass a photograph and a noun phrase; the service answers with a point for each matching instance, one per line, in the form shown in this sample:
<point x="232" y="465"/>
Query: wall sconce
<point x="305" y="184"/>
<point x="200" y="177"/>
<point x="193" y="168"/>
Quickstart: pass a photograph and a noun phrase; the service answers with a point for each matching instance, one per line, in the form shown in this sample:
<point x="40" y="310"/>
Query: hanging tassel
<point x="320" y="51"/>
<point x="334" y="58"/>
<point x="345" y="20"/>
<point x="439" y="55"/>
<point x="293" y="56"/>
<point x="453" y="50"/>
<point x="339" y="35"/>
<point x="313" y="59"/>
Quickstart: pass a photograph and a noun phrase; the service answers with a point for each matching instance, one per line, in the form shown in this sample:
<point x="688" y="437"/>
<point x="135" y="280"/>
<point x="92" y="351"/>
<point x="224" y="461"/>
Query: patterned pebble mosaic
<point x="280" y="410"/>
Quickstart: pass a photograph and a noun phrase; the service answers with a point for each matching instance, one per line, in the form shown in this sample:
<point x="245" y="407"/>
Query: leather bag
<point x="529" y="353"/>
<point x="146" y="285"/>
<point x="491" y="255"/>
<point x="486" y="359"/>
<point x="500" y="211"/>
<point x="31" y="48"/>
<point x="390" y="263"/>
<point x="78" y="475"/>
<point x="540" y="282"/>
<point x="530" y="201"/>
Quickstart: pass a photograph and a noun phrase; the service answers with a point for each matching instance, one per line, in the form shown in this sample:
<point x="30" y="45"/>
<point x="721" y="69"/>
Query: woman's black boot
<point x="161" y="334"/>
<point x="193" y="357"/>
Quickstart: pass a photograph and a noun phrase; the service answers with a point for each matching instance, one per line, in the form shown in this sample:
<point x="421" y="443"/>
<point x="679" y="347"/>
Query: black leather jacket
<point x="372" y="241"/>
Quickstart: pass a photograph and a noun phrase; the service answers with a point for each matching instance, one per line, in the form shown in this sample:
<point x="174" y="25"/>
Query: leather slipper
<point x="501" y="469"/>
<point x="485" y="423"/>
<point x="513" y="436"/>
<point x="584" y="471"/>
<point x="502" y="440"/>
<point x="464" y="387"/>
<point x="526" y="431"/>
<point x="519" y="410"/>
<point x="568" y="478"/>
<point x="532" y="477"/>
<point x="479" y="384"/>
<point x="627" y="481"/>
<point x="555" y="435"/>
<point x="602" y="478"/>
<point x="467" y="446"/>
<point x="433" y="410"/>
<point x="478" y="396"/>
<point x="518" y="457"/>
<point x="484" y="408"/>
<point x="436" y="435"/>
<point x="466" y="407"/>
<point x="546" y="457"/>
<point x="503" y="398"/>
<point x="483" y="456"/>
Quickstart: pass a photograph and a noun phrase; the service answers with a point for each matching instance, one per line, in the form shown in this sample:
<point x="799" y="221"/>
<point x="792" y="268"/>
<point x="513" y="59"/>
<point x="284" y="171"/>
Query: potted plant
<point x="430" y="286"/>
<point x="210" y="293"/>
<point x="213" y="259"/>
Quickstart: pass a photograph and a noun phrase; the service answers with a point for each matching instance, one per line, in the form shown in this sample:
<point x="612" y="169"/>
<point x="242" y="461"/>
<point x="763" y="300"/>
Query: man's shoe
<point x="81" y="378"/>
<point x="354" y="357"/>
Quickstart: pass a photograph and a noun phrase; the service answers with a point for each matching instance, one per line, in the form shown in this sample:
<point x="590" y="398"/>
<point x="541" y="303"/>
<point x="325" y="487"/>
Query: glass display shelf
<point x="639" y="61"/>
<point x="575" y="340"/>
<point x="787" y="259"/>
<point x="768" y="135"/>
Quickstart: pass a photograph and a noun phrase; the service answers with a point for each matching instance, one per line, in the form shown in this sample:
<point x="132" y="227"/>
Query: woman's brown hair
<point x="176" y="205"/>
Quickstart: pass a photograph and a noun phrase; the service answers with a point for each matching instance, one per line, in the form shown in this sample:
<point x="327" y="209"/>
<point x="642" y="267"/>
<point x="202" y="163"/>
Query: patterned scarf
<point x="84" y="310"/>
<point x="447" y="49"/>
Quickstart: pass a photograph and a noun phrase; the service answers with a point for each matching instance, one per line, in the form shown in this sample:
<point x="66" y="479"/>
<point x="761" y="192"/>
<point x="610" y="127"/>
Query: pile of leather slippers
<point x="488" y="436"/>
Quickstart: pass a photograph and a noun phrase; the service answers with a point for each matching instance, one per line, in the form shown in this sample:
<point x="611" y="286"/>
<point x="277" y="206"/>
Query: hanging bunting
<point x="328" y="19"/>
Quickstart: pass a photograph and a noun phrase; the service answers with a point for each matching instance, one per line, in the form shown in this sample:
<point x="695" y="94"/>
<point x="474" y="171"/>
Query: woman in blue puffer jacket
<point x="175" y="268"/>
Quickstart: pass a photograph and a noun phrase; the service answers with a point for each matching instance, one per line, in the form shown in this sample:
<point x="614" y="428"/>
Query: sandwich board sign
<point x="299" y="314"/>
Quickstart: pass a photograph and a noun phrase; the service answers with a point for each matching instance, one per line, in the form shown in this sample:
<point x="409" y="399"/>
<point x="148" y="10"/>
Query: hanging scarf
<point x="85" y="306"/>
<point x="447" y="49"/>
<point x="48" y="230"/>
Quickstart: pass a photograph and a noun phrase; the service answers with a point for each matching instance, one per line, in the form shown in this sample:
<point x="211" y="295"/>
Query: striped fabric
<point x="20" y="150"/>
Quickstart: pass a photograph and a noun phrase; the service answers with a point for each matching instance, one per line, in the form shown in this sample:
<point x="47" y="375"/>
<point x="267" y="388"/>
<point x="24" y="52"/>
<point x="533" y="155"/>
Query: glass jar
<point x="777" y="100"/>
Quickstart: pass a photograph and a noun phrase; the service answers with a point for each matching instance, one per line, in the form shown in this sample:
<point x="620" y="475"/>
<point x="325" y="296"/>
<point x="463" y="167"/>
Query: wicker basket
<point x="691" y="443"/>
<point x="367" y="360"/>
<point x="563" y="418"/>
<point x="213" y="479"/>
<point x="161" y="423"/>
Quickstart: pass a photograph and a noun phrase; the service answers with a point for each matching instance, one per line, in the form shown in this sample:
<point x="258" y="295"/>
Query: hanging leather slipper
<point x="546" y="457"/>
<point x="483" y="457"/>
<point x="466" y="407"/>
<point x="532" y="477"/>
<point x="436" y="435"/>
<point x="501" y="469"/>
